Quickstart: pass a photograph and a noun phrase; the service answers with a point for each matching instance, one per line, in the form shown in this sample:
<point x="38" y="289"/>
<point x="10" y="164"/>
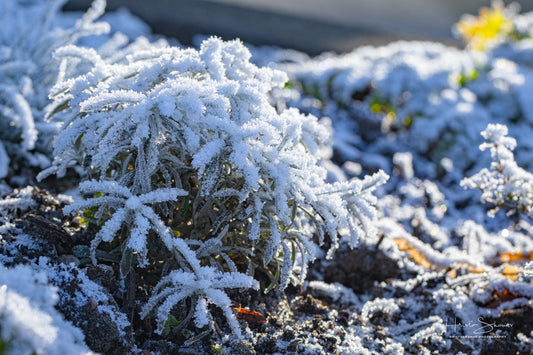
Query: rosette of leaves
<point x="28" y="36"/>
<point x="200" y="122"/>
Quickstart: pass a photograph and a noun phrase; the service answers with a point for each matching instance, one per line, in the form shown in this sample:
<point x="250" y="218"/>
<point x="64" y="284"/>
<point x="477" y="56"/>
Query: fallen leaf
<point x="251" y="317"/>
<point x="509" y="257"/>
<point x="498" y="297"/>
<point x="510" y="272"/>
<point x="415" y="254"/>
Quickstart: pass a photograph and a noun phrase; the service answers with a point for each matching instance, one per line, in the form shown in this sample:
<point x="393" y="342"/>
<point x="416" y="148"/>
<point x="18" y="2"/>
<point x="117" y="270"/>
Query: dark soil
<point x="358" y="269"/>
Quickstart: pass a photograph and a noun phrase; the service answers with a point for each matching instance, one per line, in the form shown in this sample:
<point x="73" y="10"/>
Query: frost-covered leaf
<point x="205" y="283"/>
<point x="129" y="210"/>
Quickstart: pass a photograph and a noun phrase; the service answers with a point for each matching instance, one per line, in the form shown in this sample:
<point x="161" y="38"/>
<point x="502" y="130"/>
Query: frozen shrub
<point x="505" y="184"/>
<point x="185" y="143"/>
<point x="28" y="36"/>
<point x="30" y="323"/>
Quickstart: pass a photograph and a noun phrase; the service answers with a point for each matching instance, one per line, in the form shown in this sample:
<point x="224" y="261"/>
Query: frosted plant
<point x="203" y="116"/>
<point x="505" y="184"/>
<point x="205" y="285"/>
<point x="431" y="98"/>
<point x="382" y="75"/>
<point x="28" y="37"/>
<point x="163" y="121"/>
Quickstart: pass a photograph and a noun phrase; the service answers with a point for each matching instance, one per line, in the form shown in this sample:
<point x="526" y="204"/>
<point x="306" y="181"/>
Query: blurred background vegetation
<point x="312" y="26"/>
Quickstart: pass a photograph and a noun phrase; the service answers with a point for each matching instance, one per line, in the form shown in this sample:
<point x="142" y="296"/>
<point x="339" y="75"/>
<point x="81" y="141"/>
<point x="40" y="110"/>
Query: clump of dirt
<point x="309" y="305"/>
<point x="96" y="318"/>
<point x="359" y="268"/>
<point x="44" y="220"/>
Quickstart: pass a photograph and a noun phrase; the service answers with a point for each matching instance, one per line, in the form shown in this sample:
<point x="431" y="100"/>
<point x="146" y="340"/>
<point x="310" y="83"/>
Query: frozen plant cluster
<point x="30" y="33"/>
<point x="186" y="144"/>
<point x="405" y="94"/>
<point x="505" y="184"/>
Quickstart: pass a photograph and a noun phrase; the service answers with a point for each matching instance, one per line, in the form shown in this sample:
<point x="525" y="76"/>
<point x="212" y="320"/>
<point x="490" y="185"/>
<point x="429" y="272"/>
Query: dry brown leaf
<point x="510" y="272"/>
<point x="415" y="254"/>
<point x="509" y="257"/>
<point x="498" y="297"/>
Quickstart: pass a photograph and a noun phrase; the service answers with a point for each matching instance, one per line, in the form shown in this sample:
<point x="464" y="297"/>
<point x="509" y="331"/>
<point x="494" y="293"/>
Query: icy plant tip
<point x="505" y="184"/>
<point x="205" y="286"/>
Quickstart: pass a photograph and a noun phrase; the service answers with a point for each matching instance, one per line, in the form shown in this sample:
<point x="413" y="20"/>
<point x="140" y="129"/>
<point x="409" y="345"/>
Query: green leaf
<point x="275" y="280"/>
<point x="126" y="262"/>
<point x="59" y="108"/>
<point x="465" y="78"/>
<point x="169" y="324"/>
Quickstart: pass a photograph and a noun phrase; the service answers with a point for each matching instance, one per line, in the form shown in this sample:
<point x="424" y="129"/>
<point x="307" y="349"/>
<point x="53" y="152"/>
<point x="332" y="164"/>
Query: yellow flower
<point x="492" y="25"/>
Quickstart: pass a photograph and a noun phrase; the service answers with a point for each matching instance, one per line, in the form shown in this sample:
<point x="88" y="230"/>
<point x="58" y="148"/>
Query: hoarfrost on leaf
<point x="205" y="286"/>
<point x="128" y="208"/>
